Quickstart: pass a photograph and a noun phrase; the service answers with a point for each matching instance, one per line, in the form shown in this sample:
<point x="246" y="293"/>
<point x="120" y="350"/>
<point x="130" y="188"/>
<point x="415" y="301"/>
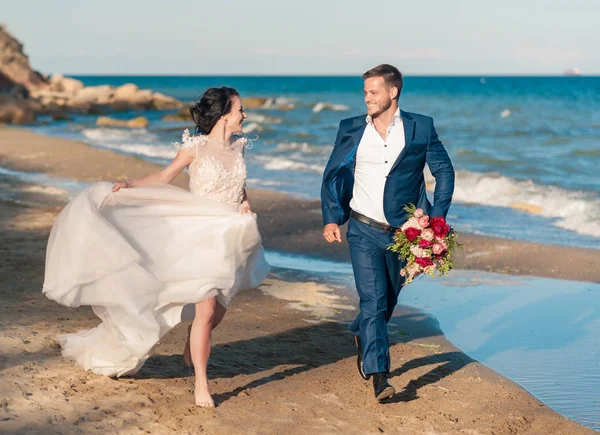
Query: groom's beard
<point x="382" y="108"/>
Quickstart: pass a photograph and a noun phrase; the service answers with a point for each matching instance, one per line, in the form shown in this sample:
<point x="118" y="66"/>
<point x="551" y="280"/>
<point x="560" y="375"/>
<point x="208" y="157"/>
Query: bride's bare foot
<point x="187" y="352"/>
<point x="203" y="397"/>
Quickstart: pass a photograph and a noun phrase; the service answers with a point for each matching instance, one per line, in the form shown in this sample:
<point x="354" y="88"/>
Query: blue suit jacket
<point x="405" y="183"/>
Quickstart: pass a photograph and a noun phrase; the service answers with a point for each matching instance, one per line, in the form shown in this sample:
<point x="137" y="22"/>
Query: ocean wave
<point x="279" y="163"/>
<point x="138" y="143"/>
<point x="305" y="147"/>
<point x="253" y="127"/>
<point x="320" y="106"/>
<point x="263" y="119"/>
<point x="282" y="103"/>
<point x="118" y="135"/>
<point x="144" y="150"/>
<point x="571" y="210"/>
<point x="264" y="183"/>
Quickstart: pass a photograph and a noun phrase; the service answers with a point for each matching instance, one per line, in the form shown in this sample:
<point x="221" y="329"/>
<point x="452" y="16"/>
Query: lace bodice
<point x="218" y="171"/>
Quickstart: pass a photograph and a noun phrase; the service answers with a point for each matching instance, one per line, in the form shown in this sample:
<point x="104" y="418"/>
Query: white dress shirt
<point x="374" y="159"/>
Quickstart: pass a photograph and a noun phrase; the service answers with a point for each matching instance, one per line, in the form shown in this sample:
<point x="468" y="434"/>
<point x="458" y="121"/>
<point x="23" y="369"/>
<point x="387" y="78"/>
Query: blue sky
<point x="307" y="36"/>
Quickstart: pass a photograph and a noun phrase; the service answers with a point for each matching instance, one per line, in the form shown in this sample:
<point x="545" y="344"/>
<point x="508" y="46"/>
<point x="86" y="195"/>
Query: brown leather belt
<point x="375" y="224"/>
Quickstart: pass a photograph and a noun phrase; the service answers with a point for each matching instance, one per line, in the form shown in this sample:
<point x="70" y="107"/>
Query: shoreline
<point x="321" y="389"/>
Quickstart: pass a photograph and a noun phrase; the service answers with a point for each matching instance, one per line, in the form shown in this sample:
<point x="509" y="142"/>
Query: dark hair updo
<point x="214" y="103"/>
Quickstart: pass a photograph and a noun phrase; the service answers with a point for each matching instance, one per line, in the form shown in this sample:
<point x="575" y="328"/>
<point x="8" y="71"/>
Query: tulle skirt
<point x="137" y="257"/>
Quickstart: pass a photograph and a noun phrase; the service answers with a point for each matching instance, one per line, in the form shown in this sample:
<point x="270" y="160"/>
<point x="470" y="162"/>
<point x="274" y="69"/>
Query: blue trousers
<point x="378" y="282"/>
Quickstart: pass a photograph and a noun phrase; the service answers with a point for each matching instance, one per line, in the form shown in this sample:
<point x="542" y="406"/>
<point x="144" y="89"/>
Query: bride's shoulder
<point x="242" y="143"/>
<point x="190" y="141"/>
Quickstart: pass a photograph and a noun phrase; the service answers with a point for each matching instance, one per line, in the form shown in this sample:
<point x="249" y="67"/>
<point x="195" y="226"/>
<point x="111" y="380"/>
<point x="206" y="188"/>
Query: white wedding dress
<point x="138" y="256"/>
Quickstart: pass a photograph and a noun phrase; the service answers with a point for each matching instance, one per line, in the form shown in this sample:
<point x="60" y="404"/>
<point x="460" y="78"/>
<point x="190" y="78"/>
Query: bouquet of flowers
<point x="426" y="244"/>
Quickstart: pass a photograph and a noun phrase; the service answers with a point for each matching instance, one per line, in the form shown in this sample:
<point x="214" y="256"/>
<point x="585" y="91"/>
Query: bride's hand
<point x="120" y="185"/>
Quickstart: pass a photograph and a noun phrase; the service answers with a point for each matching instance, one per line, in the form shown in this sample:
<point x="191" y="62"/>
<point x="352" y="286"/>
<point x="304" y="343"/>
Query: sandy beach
<point x="282" y="359"/>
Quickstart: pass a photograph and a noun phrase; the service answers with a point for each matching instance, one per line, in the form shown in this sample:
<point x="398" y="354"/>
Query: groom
<point x="375" y="169"/>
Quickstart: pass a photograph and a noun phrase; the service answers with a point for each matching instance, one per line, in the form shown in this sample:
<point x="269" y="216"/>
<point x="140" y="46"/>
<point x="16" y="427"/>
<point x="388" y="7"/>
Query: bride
<point x="140" y="251"/>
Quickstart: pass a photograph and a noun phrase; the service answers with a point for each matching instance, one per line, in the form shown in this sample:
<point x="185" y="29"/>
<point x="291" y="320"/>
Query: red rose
<point x="412" y="233"/>
<point x="424" y="244"/>
<point x="424" y="262"/>
<point x="439" y="226"/>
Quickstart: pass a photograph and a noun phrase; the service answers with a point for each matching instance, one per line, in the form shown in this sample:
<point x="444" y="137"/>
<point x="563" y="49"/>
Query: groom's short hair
<point x="390" y="74"/>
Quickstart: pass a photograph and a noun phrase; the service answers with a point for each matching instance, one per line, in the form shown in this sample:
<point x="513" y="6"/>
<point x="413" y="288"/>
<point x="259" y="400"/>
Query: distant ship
<point x="572" y="72"/>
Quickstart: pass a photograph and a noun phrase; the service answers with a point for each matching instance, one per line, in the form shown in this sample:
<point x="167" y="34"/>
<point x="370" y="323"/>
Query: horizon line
<point x="592" y="75"/>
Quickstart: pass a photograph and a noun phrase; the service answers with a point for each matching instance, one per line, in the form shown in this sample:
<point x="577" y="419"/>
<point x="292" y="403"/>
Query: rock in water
<point x="25" y="93"/>
<point x="139" y="122"/>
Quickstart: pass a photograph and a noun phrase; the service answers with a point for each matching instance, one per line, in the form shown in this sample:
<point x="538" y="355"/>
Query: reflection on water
<point x="307" y="264"/>
<point x="70" y="187"/>
<point x="542" y="333"/>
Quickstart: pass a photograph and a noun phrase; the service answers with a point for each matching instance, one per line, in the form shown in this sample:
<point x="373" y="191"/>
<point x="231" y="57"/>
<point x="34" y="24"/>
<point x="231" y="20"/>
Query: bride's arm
<point x="245" y="204"/>
<point x="183" y="158"/>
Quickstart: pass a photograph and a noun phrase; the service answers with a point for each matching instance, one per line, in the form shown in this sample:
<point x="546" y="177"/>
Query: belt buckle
<point x="390" y="228"/>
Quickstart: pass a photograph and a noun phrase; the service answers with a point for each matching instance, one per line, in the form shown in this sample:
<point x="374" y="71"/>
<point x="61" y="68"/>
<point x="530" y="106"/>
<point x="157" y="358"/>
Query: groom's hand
<point x="332" y="233"/>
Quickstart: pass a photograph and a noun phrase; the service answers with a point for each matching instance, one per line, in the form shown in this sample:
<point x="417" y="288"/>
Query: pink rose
<point x="437" y="249"/>
<point x="419" y="213"/>
<point x="419" y="252"/>
<point x="413" y="269"/>
<point x="427" y="234"/>
<point x="444" y="244"/>
<point x="424" y="221"/>
<point x="411" y="223"/>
